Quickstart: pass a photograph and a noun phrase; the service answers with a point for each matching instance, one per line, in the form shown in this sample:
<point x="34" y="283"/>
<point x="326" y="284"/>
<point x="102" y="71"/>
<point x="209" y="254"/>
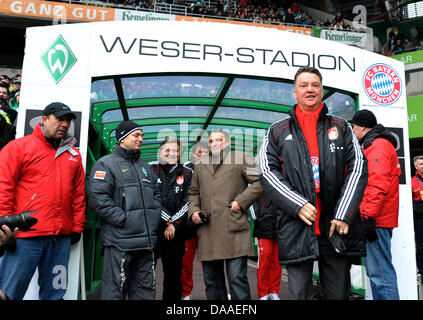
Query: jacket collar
<point x="379" y="131"/>
<point x="169" y="168"/>
<point x="132" y="155"/>
<point x="293" y="110"/>
<point x="213" y="163"/>
<point x="65" y="144"/>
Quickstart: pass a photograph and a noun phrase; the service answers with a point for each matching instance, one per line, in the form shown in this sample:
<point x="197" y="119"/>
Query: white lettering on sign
<point x="58" y="11"/>
<point x="412" y="117"/>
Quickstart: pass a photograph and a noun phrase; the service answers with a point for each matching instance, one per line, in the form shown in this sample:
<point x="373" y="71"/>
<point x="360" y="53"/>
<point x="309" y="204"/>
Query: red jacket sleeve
<point x="10" y="168"/>
<point x="78" y="202"/>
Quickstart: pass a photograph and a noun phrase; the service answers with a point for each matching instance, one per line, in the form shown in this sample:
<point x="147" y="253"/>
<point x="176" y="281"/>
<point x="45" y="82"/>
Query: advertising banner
<point x="61" y="11"/>
<point x="410" y="57"/>
<point x="56" y="10"/>
<point x="415" y="116"/>
<point x="358" y="39"/>
<point x="134" y="15"/>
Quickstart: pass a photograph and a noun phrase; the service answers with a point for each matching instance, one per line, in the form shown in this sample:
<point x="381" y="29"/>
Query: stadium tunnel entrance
<point x="187" y="106"/>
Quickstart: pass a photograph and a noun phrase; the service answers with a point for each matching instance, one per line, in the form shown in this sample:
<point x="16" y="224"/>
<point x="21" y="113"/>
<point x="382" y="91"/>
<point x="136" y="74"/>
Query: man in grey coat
<point x="219" y="190"/>
<point x="123" y="192"/>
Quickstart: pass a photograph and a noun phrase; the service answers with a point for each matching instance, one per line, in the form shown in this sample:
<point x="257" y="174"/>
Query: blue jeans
<point x="50" y="255"/>
<point x="214" y="279"/>
<point x="379" y="267"/>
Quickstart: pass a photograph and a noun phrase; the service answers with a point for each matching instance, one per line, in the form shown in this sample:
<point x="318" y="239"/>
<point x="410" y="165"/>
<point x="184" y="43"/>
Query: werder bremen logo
<point x="58" y="59"/>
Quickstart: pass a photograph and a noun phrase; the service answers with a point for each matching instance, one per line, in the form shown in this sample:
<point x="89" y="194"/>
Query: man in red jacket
<point x="417" y="188"/>
<point x="43" y="173"/>
<point x="380" y="205"/>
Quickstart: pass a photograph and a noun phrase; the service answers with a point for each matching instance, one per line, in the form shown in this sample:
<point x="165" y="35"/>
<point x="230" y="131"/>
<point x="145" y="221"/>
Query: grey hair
<point x="223" y="131"/>
<point x="308" y="70"/>
<point x="417" y="158"/>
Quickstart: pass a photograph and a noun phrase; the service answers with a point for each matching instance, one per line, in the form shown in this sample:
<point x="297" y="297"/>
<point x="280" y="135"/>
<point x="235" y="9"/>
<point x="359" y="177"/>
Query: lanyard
<point x="418" y="179"/>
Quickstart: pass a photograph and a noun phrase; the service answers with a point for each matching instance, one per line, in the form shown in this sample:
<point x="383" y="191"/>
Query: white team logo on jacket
<point x="333" y="133"/>
<point x="180" y="180"/>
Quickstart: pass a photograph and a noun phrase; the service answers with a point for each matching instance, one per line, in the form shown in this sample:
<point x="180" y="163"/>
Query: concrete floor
<point x="198" y="292"/>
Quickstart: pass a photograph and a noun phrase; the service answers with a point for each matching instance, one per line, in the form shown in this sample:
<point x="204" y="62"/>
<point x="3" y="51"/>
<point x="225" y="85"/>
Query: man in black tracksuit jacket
<point x="123" y="192"/>
<point x="287" y="176"/>
<point x="174" y="181"/>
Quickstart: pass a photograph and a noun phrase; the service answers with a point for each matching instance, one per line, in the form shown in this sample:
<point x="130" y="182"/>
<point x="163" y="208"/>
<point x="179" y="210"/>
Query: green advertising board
<point x="358" y="39"/>
<point x="415" y="116"/>
<point x="410" y="57"/>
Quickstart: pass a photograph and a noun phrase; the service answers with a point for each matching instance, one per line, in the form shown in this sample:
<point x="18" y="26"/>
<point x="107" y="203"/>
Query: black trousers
<point x="334" y="274"/>
<point x="172" y="270"/>
<point x="128" y="274"/>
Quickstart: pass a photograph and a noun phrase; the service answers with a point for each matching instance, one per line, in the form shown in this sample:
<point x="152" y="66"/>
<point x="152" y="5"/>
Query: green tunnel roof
<point x="190" y="105"/>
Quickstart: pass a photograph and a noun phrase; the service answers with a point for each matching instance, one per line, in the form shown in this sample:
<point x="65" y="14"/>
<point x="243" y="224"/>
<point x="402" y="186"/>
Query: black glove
<point x="205" y="217"/>
<point x="75" y="237"/>
<point x="337" y="243"/>
<point x="369" y="228"/>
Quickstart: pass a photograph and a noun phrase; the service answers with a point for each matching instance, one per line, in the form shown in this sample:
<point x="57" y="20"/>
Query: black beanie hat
<point x="364" y="118"/>
<point x="125" y="128"/>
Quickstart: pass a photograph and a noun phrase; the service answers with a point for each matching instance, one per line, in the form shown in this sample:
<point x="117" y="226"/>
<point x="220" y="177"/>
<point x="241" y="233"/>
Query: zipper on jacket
<point x="143" y="203"/>
<point x="123" y="202"/>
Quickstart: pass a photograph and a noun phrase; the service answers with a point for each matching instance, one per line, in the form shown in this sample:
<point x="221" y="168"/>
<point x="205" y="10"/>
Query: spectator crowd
<point x="268" y="11"/>
<point x="257" y="11"/>
<point x="399" y="42"/>
<point x="9" y="104"/>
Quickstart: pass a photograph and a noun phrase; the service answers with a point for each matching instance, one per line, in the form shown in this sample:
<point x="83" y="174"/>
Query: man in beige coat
<point x="219" y="188"/>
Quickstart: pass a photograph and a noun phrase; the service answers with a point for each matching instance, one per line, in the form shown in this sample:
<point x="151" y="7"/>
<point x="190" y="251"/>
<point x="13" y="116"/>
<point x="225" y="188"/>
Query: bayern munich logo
<point x="382" y="84"/>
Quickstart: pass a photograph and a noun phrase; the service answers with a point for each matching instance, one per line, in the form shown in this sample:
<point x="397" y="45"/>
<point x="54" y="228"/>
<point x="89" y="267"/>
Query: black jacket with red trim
<point x="287" y="178"/>
<point x="174" y="183"/>
<point x="264" y="215"/>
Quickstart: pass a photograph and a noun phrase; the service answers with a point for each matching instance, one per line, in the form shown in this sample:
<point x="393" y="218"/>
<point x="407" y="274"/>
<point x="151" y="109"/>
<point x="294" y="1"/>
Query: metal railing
<point x="164" y="7"/>
<point x="207" y="3"/>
